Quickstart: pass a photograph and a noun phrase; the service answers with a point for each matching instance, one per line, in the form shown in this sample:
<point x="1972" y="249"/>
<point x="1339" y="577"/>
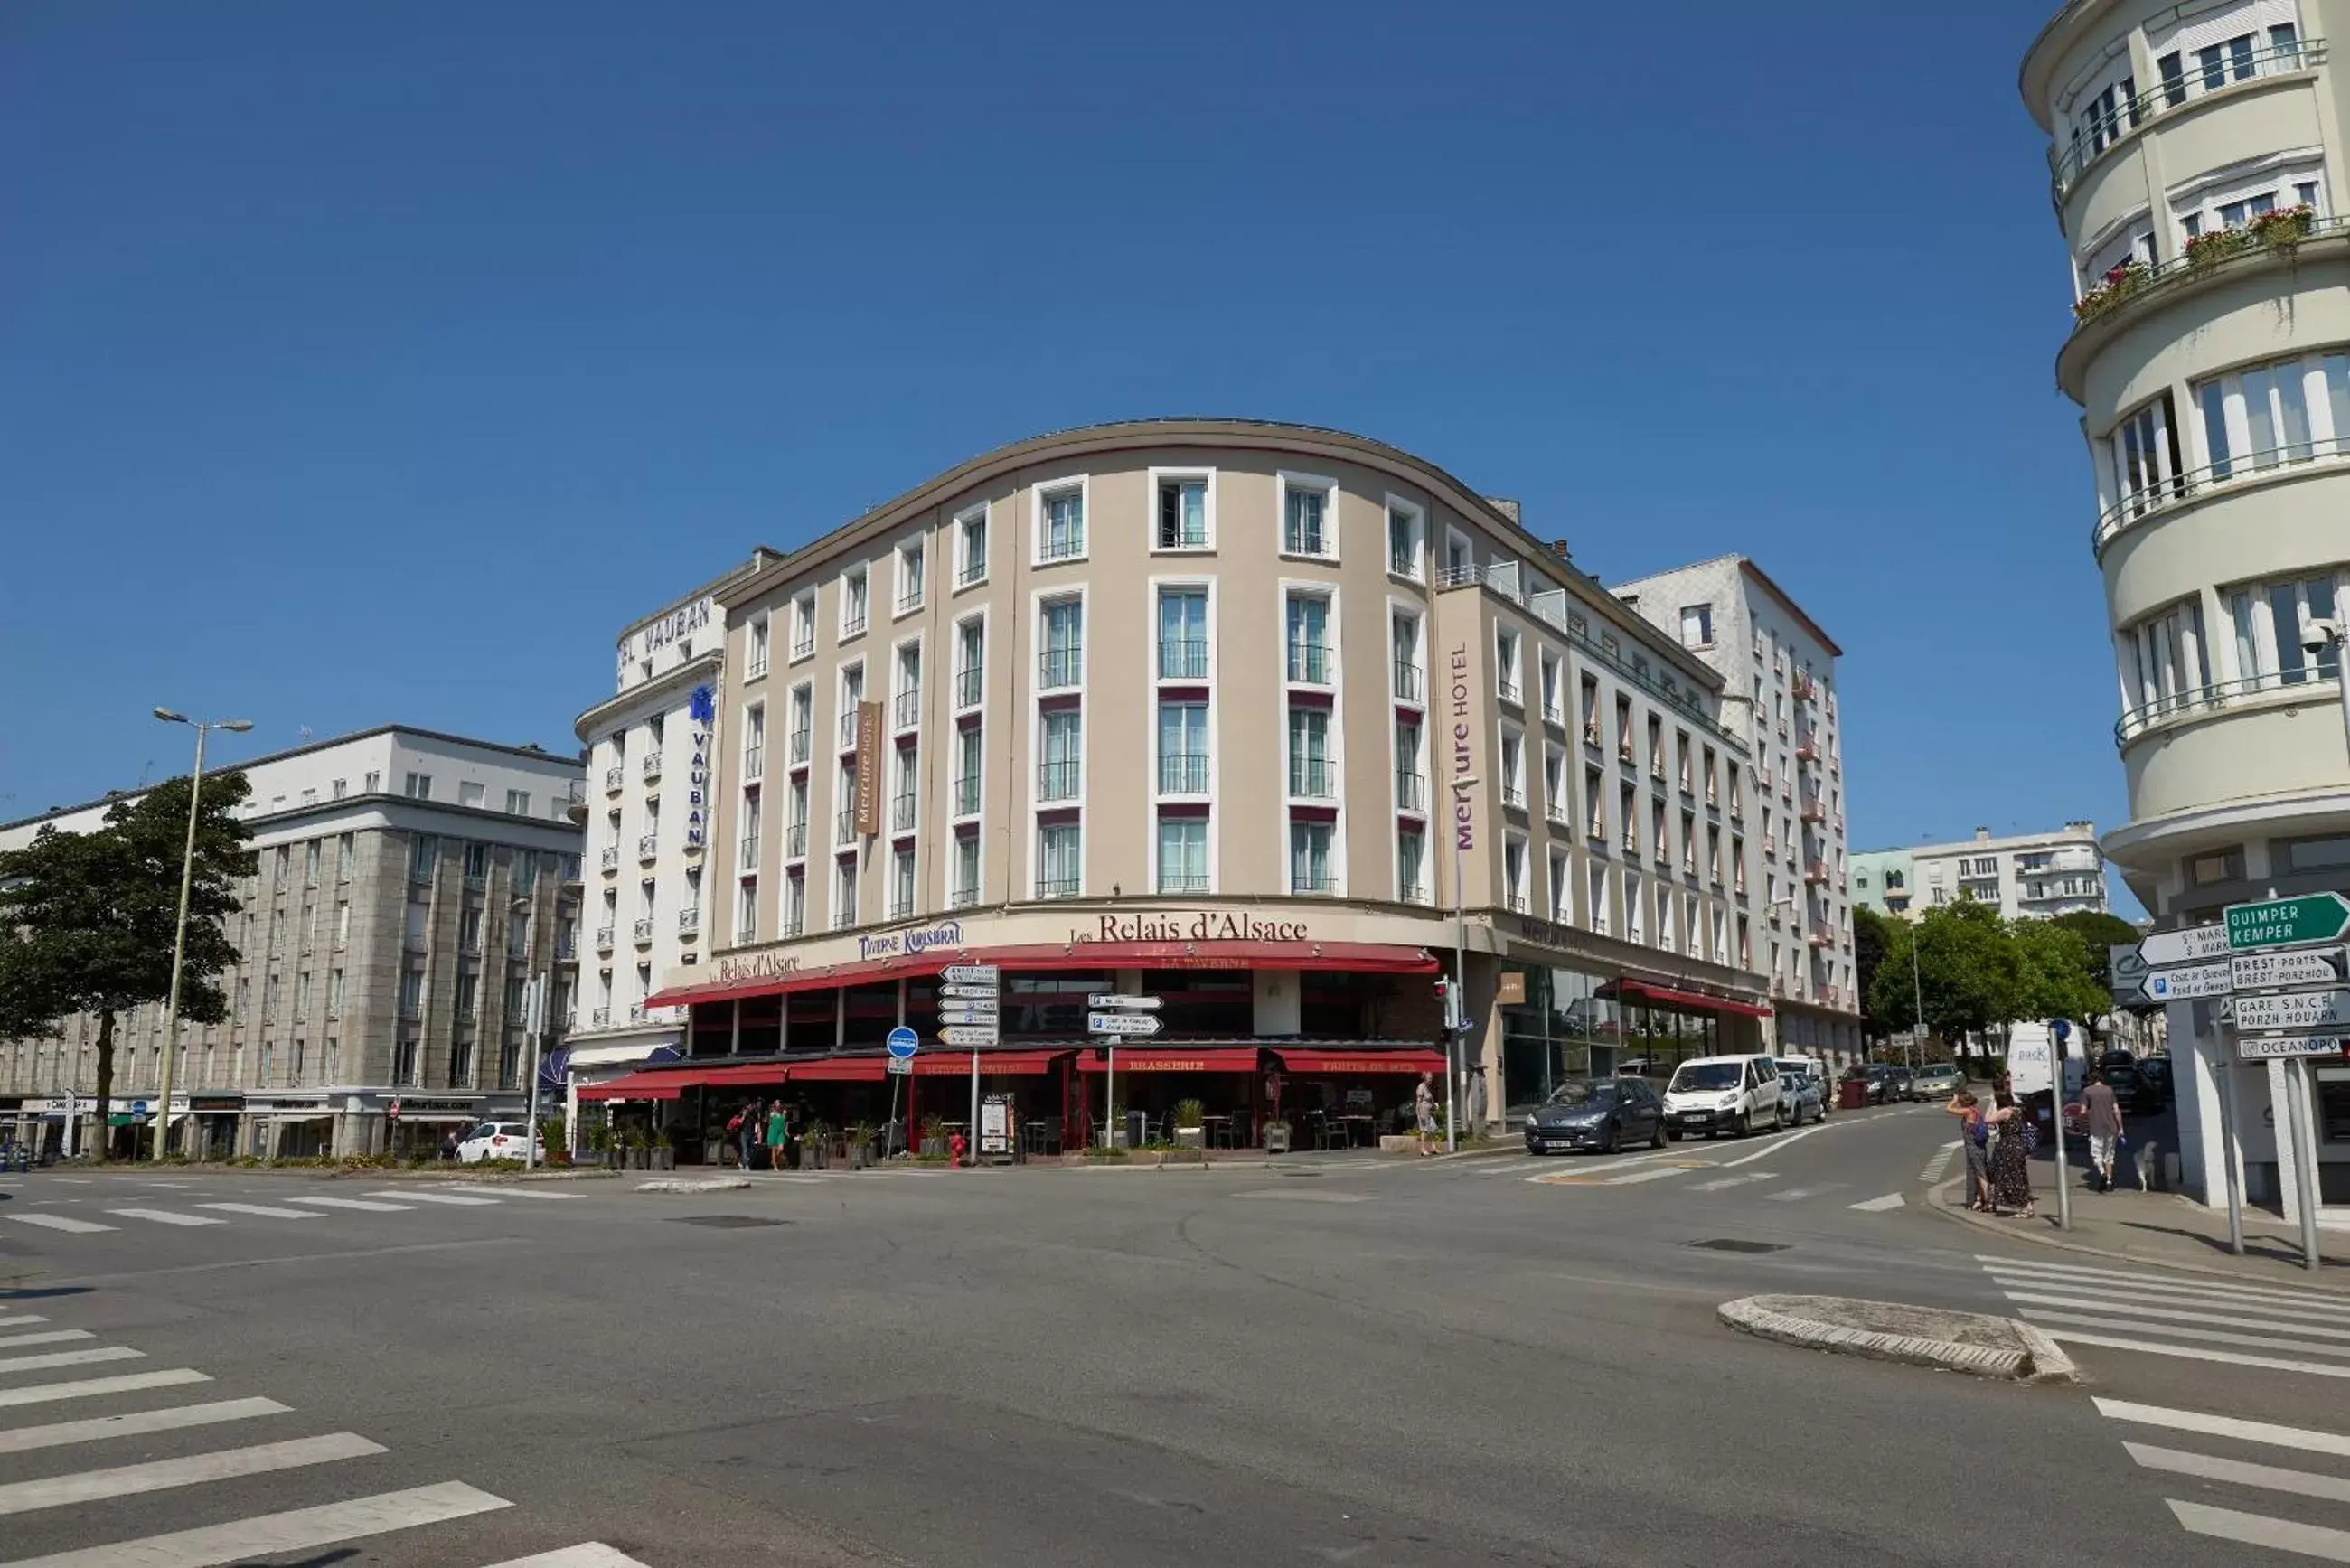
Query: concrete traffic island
<point x="1922" y="1336"/>
<point x="694" y="1184"/>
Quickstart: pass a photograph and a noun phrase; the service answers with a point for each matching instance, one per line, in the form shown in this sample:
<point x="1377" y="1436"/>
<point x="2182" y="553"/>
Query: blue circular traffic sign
<point x="903" y="1041"/>
<point x="138" y="1108"/>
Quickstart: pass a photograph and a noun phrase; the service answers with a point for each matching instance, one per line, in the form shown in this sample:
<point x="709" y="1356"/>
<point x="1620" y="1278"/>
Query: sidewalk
<point x="2161" y="1229"/>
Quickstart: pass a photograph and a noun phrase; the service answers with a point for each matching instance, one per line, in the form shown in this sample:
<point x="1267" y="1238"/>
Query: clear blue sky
<point x="374" y="363"/>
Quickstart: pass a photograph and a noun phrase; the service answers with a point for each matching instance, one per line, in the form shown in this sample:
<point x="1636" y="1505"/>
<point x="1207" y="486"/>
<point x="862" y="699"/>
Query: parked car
<point x="493" y="1140"/>
<point x="1815" y="1069"/>
<point x="1897" y="1084"/>
<point x="1935" y="1080"/>
<point x="2157" y="1071"/>
<point x="2136" y="1091"/>
<point x="2116" y="1056"/>
<point x="1804" y="1097"/>
<point x="1715" y="1095"/>
<point x="1873" y="1077"/>
<point x="1603" y="1114"/>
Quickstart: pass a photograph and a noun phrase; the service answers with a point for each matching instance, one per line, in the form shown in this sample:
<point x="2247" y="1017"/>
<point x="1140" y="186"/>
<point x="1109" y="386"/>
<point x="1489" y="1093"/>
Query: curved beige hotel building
<point x="2198" y="177"/>
<point x="1233" y="714"/>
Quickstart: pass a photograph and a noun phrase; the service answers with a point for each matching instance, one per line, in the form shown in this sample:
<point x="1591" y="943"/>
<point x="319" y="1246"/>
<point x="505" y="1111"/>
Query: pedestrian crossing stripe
<point x="2306" y="1539"/>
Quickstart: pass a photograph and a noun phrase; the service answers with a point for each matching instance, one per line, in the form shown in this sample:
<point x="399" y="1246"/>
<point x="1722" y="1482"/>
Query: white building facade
<point x="2198" y="179"/>
<point x="2027" y="874"/>
<point x="1779" y="695"/>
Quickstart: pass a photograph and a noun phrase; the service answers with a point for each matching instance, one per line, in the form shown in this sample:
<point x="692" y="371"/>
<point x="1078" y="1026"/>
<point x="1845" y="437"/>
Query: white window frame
<point x="1036" y="856"/>
<point x="802" y="621"/>
<point x="1561" y="887"/>
<point x="1038" y="495"/>
<point x="982" y="514"/>
<point x="758" y="648"/>
<point x="955" y="704"/>
<point x="1427" y="880"/>
<point x="1159" y="476"/>
<point x="1288" y="480"/>
<point x="916" y="548"/>
<point x="1454" y="537"/>
<point x="861" y="571"/>
<point x="1418" y="572"/>
<point x="896" y="681"/>
<point x="844" y="706"/>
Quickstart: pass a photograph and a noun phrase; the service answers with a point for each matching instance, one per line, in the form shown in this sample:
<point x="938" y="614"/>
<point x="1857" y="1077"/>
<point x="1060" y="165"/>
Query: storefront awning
<point x="943" y="1063"/>
<point x="653" y="1083"/>
<point x="1640" y="990"/>
<point x="1174" y="1059"/>
<point x="1352" y="1062"/>
<point x="841" y="1070"/>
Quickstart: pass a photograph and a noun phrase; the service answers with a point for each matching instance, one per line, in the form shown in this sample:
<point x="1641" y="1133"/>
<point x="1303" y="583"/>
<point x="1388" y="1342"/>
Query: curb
<point x="1935" y="1204"/>
<point x="671" y="1184"/>
<point x="2039" y="1362"/>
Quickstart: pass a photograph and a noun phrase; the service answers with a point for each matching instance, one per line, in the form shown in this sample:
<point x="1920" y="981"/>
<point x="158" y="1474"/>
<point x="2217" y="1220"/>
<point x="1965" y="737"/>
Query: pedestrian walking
<point x="1476" y="1101"/>
<point x="778" y="1133"/>
<point x="2011" y="1174"/>
<point x="745" y="1128"/>
<point x="449" y="1145"/>
<point x="1423" y="1114"/>
<point x="1975" y="1133"/>
<point x="2103" y="1112"/>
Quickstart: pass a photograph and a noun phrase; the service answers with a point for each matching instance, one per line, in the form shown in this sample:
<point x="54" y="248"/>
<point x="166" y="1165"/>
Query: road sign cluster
<point x="969" y="1012"/>
<point x="1113" y="1015"/>
<point x="2279" y="966"/>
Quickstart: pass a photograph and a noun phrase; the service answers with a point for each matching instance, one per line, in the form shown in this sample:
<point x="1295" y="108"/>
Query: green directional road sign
<point x="2287" y="922"/>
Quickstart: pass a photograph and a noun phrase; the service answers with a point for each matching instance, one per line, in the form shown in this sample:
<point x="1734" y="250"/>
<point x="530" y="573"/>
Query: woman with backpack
<point x="2010" y="1169"/>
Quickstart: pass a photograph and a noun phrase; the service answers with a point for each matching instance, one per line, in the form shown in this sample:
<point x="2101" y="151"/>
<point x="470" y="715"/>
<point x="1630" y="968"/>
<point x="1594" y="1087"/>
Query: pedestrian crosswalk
<point x="1641" y="1169"/>
<point x="188" y="1212"/>
<point x="2243" y="1448"/>
<point x="1939" y="1163"/>
<point x="45" y="1483"/>
<point x="2179" y="1315"/>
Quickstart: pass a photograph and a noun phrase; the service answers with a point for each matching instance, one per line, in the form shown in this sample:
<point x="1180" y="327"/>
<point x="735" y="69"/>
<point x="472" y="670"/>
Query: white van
<point x="1715" y="1095"/>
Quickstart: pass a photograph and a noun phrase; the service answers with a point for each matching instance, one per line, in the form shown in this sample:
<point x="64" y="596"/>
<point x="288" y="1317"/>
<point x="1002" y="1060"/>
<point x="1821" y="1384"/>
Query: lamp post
<point x="180" y="931"/>
<point x="1457" y="1027"/>
<point x="1917" y="991"/>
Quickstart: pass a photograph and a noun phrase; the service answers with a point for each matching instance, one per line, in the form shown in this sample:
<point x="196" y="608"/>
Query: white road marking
<point x="2155" y="1347"/>
<point x="2305" y="1440"/>
<point x="194" y="1469"/>
<point x="166" y="1217"/>
<point x="587" y="1554"/>
<point x="2164" y="1295"/>
<point x="70" y="1358"/>
<point x="1939" y="1163"/>
<point x="456" y="1197"/>
<point x="2172" y="1314"/>
<point x="2119" y="1277"/>
<point x="21" y="1439"/>
<point x="1778" y="1143"/>
<point x="25" y="1322"/>
<point x="1719" y="1182"/>
<point x="534" y="1193"/>
<point x="1879" y="1205"/>
<point x="365" y="1204"/>
<point x="2239" y="1473"/>
<point x="52" y="1337"/>
<point x="57" y="1222"/>
<point x="2257" y="1529"/>
<point x="1308" y="1195"/>
<point x="264" y="1211"/>
<point x="1657" y="1174"/>
<point x="87" y="1388"/>
<point x="2181" y="1330"/>
<point x="277" y="1534"/>
<point x="1796" y="1194"/>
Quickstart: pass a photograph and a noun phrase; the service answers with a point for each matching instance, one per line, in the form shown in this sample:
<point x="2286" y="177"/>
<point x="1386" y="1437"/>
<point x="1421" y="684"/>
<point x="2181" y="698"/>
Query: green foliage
<point x="1977" y="972"/>
<point x="1872" y="939"/>
<point x="2101" y="931"/>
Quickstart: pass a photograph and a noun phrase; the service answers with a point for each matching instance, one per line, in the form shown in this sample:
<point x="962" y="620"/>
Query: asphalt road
<point x="1503" y="1360"/>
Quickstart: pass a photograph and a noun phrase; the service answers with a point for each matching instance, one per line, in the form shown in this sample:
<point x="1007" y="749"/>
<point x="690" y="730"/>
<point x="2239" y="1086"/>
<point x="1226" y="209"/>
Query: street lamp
<point x="1457" y="1026"/>
<point x="179" y="932"/>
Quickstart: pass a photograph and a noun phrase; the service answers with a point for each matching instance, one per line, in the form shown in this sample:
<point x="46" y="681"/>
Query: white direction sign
<point x="2284" y="1047"/>
<point x="1134" y="1003"/>
<point x="2187" y="983"/>
<point x="987" y="992"/>
<point x="971" y="974"/>
<point x="2291" y="966"/>
<point x="2193" y="945"/>
<point x="901" y="1065"/>
<point x="968" y="1037"/>
<point x="1121" y="1023"/>
<point x="2293" y="1010"/>
<point x="970" y="1012"/>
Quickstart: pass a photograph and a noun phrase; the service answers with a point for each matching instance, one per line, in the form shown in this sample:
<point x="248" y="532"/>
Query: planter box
<point x="1276" y="1140"/>
<point x="1397" y="1143"/>
<point x="1182" y="1157"/>
<point x="1190" y="1137"/>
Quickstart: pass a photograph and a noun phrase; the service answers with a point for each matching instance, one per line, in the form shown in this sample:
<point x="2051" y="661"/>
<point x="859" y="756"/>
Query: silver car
<point x="1801" y="1094"/>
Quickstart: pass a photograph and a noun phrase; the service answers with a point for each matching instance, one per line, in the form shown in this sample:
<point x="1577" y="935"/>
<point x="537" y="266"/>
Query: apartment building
<point x="1882" y="879"/>
<point x="1779" y="696"/>
<point x="1235" y="714"/>
<point x="2026" y="874"/>
<point x="2196" y="173"/>
<point x="409" y="885"/>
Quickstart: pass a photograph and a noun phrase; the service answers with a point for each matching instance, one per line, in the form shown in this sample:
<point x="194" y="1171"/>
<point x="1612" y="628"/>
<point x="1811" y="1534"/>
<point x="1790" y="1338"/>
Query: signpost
<point x="2291" y="966"/>
<point x="972" y="1035"/>
<point x="2285" y="943"/>
<point x="2188" y="945"/>
<point x="985" y="974"/>
<point x="2288" y="1047"/>
<point x="1131" y="1003"/>
<point x="1137" y="1024"/>
<point x="904" y="1044"/>
<point x="2293" y="1010"/>
<point x="1109" y="1016"/>
<point x="2188" y="982"/>
<point x="968" y="1016"/>
<point x="2287" y="922"/>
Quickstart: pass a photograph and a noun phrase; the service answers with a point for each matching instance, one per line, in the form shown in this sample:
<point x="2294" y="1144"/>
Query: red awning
<point x="765" y="1073"/>
<point x="949" y="1063"/>
<point x="1174" y="1059"/>
<point x="841" y="1070"/>
<point x="1634" y="988"/>
<point x="653" y="1083"/>
<point x="1362" y="1061"/>
<point x="1359" y="958"/>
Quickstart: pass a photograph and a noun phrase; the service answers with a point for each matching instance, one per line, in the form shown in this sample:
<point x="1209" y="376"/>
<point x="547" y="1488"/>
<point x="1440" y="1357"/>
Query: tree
<point x="2056" y="974"/>
<point x="1872" y="939"/>
<point x="2103" y="931"/>
<point x="1966" y="970"/>
<point x="86" y="919"/>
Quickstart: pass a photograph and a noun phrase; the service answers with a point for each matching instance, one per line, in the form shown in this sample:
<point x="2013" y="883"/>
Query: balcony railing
<point x="1057" y="888"/>
<point x="754" y="667"/>
<point x="1516" y="901"/>
<point x="848" y="726"/>
<point x="648" y="846"/>
<point x="1513" y="796"/>
<point x="975" y="570"/>
<point x="1816" y="872"/>
<point x="611" y="858"/>
<point x="910" y="599"/>
<point x="1821" y="936"/>
<point x="613" y="779"/>
<point x="1309" y="662"/>
<point x="853" y="622"/>
<point x="1411" y="791"/>
<point x="962" y="898"/>
<point x="1056" y="781"/>
<point x="795" y="840"/>
<point x="1814" y="810"/>
<point x="1183" y="773"/>
<point x="1410" y="682"/>
<point x="644" y="932"/>
<point x="2197" y="482"/>
<point x="2132" y="279"/>
<point x="799" y="746"/>
<point x="969" y="686"/>
<point x="689" y="921"/>
<point x="1807" y="747"/>
<point x="604" y="939"/>
<point x="600" y="1018"/>
<point x="749" y="857"/>
<point x="906" y="708"/>
<point x="844" y="826"/>
<point x="804" y="648"/>
<point x="1312" y="882"/>
<point x="2201" y="700"/>
<point x="1312" y="778"/>
<point x="2068" y="161"/>
<point x="1413" y="892"/>
<point x="1182" y="881"/>
<point x="901" y="814"/>
<point x="1182" y="658"/>
<point x="652" y="764"/>
<point x="1507" y="690"/>
<point x="1060" y="667"/>
<point x="966" y="796"/>
<point x="755" y="761"/>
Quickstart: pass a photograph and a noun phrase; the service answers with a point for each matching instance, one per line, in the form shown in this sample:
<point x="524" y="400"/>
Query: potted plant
<point x="934" y="1138"/>
<point x="2122" y="280"/>
<point x="1191" y="1124"/>
<point x="1276" y="1137"/>
<point x="664" y="1151"/>
<point x="638" y="1149"/>
<point x="860" y="1146"/>
<point x="816" y="1145"/>
<point x="2282" y="231"/>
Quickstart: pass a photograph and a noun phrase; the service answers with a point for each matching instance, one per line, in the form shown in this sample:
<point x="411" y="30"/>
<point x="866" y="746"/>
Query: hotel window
<point x="1689" y="844"/>
<point x="844" y="824"/>
<point x="802" y="719"/>
<point x="971" y="662"/>
<point x="796" y="818"/>
<point x="912" y="564"/>
<point x="844" y="893"/>
<point x="1403" y="639"/>
<point x="747" y="832"/>
<point x="855" y="586"/>
<point x="1412" y="866"/>
<point x="2265" y="622"/>
<point x="1182" y="855"/>
<point x="1513" y="770"/>
<point x="970" y="547"/>
<point x="1505" y="663"/>
<point x="1665" y="918"/>
<point x="1182" y="748"/>
<point x="1636" y="913"/>
<point x="1309" y="858"/>
<point x="1589" y="693"/>
<point x="1182" y="634"/>
<point x="1308" y="524"/>
<point x="804" y="625"/>
<point x="1655" y="747"/>
<point x="1308" y="639"/>
<point x="1738" y="866"/>
<point x="1595" y="887"/>
<point x="966" y="870"/>
<point x="1657" y="844"/>
<point x="795" y="902"/>
<point x="1062" y="661"/>
<point x="1697" y="626"/>
<point x="1406" y="538"/>
<point x="1060" y="872"/>
<point x="1745" y="945"/>
<point x="1061" y="523"/>
<point x="754" y="742"/>
<point x="1713" y="854"/>
<point x="1059" y="768"/>
<point x="1721" y="937"/>
<point x="906" y="707"/>
<point x="1624" y="729"/>
<point x="1627" y="815"/>
<point x="1310" y="775"/>
<point x="970" y="757"/>
<point x="1553" y="689"/>
<point x="901" y="882"/>
<point x="1182" y="513"/>
<point x="758" y="656"/>
<point x="1514" y="873"/>
<point x="1594" y="813"/>
<point x="1556" y="805"/>
<point x="852" y="692"/>
<point x="1561" y="894"/>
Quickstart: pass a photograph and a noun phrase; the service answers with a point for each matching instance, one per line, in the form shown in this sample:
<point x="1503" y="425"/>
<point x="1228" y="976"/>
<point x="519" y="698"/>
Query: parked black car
<point x="1897" y="1084"/>
<point x="2136" y="1091"/>
<point x="1602" y="1114"/>
<point x="2157" y="1068"/>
